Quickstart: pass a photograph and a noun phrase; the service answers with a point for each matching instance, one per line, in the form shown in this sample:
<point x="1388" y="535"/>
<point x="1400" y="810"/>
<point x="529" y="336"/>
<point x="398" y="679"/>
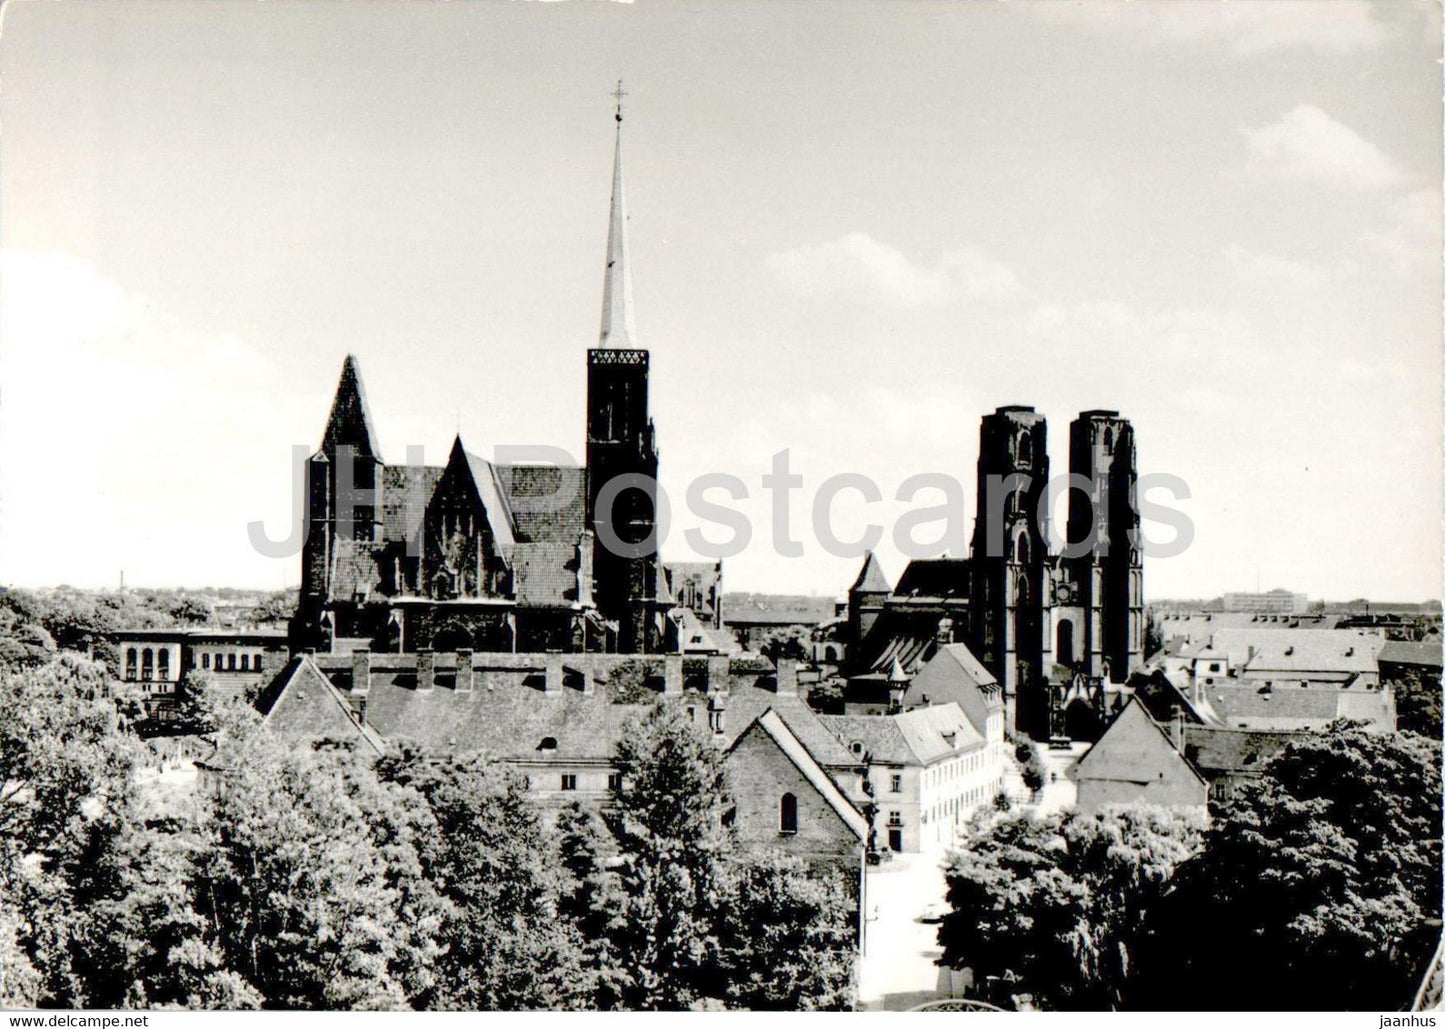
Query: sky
<point x="855" y="227"/>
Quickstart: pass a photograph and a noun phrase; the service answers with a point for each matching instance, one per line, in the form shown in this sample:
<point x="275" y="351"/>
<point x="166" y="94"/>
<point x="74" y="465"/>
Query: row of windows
<point x="146" y="663"/>
<point x="955" y="807"/>
<point x="223" y="661"/>
<point x="953" y="769"/>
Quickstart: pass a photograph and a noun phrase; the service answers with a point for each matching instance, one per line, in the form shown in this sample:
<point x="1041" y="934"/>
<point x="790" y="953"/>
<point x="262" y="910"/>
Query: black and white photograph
<point x="720" y="506"/>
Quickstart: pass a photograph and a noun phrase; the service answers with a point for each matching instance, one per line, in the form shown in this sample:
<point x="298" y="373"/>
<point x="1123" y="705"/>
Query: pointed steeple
<point x="870" y="577"/>
<point x="618" y="328"/>
<point x="349" y="423"/>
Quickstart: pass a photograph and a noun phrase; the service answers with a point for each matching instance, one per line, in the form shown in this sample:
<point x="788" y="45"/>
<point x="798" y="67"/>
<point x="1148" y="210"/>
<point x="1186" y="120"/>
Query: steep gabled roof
<point x="771" y="723"/>
<point x="303" y="703"/>
<point x="1133" y="749"/>
<point x="870" y="577"/>
<point x="479" y="474"/>
<point x="350" y="422"/>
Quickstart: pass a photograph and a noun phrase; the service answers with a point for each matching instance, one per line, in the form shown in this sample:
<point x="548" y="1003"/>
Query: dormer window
<point x="548" y="744"/>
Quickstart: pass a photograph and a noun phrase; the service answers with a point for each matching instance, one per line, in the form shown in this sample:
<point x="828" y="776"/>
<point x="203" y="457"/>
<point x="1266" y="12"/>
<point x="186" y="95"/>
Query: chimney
<point x="787" y="677"/>
<point x="464" y="670"/>
<point x="718" y="666"/>
<point x="672" y="673"/>
<point x="426" y="669"/>
<point x="361" y="671"/>
<point x="552" y="676"/>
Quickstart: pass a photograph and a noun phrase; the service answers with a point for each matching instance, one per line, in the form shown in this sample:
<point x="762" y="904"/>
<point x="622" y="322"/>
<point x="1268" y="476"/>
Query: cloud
<point x="114" y="414"/>
<point x="1260" y="268"/>
<point x="1248" y="30"/>
<point x="1411" y="237"/>
<point x="857" y="263"/>
<point x="1307" y="145"/>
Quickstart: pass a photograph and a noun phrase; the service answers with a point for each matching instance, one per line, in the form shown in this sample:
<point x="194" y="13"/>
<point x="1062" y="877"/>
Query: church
<point x="1055" y="630"/>
<point x="497" y="557"/>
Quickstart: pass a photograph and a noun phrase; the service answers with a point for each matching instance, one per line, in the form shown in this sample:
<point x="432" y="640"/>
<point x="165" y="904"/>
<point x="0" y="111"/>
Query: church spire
<point x="618" y="327"/>
<point x="349" y="423"/>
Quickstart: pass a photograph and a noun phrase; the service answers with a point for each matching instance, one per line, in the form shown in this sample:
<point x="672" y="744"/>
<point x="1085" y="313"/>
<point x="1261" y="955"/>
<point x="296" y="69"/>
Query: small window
<point x="569" y="782"/>
<point x="206" y="660"/>
<point x="788" y="814"/>
<point x="548" y="743"/>
<point x="857" y="747"/>
<point x="895" y="783"/>
<point x="895" y="819"/>
<point x="245" y="662"/>
<point x="614" y="781"/>
<point x="231" y="662"/>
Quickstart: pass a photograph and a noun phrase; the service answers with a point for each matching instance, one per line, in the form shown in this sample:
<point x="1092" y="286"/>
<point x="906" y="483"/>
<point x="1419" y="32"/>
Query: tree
<point x="300" y="898"/>
<point x="1056" y="904"/>
<point x="1312" y="881"/>
<point x="492" y="860"/>
<point x="1418" y="701"/>
<point x="788" y="938"/>
<point x="669" y="828"/>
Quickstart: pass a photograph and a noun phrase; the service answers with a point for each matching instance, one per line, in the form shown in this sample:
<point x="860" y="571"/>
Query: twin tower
<point x="1035" y="615"/>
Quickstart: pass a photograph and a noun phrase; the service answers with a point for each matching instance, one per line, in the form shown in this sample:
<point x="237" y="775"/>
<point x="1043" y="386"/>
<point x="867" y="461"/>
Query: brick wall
<point x="759" y="774"/>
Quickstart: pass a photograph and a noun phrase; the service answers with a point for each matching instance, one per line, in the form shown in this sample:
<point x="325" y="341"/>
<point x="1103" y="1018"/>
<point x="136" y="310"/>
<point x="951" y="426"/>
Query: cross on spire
<point x="618" y="94"/>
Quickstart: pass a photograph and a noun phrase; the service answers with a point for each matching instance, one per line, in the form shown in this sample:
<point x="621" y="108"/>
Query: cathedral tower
<point x="1110" y="575"/>
<point x="622" y="450"/>
<point x="343" y="483"/>
<point x="1010" y="557"/>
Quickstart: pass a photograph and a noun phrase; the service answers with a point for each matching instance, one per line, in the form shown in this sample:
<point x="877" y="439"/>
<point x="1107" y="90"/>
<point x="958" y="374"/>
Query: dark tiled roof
<point x="870" y="577"/>
<point x="1399" y="652"/>
<point x="1218" y="751"/>
<point x="349" y="422"/>
<point x="746" y="701"/>
<point x="906" y="636"/>
<point x="303" y="703"/>
<point x="954" y="676"/>
<point x="548" y="502"/>
<point x="1251" y="706"/>
<point x="545" y="573"/>
<point x="917" y="737"/>
<point x="354" y="571"/>
<point x="405" y="491"/>
<point x="880" y="735"/>
<point x="506" y="717"/>
<point x="946" y="577"/>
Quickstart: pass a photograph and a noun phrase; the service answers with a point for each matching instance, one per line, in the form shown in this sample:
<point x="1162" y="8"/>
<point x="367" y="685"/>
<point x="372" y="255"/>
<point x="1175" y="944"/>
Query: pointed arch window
<point x="788" y="814"/>
<point x="1026" y="450"/>
<point x="1022" y="550"/>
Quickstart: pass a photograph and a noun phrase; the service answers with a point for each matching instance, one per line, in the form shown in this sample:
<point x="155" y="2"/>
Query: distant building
<point x="157" y="660"/>
<point x="1274" y="602"/>
<point x="753" y="617"/>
